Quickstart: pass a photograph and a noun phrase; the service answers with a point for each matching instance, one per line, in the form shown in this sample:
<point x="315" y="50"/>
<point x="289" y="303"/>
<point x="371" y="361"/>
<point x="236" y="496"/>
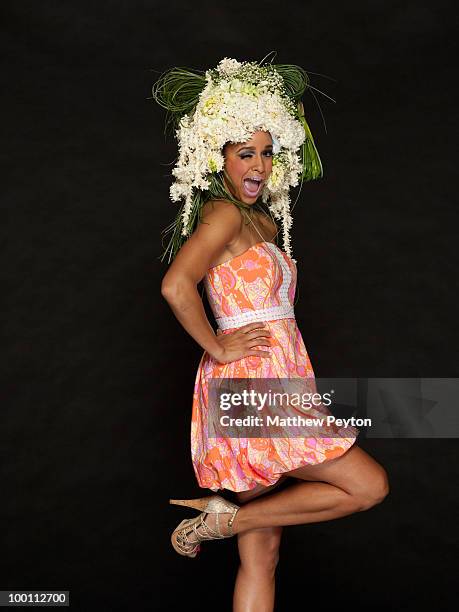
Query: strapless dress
<point x="257" y="285"/>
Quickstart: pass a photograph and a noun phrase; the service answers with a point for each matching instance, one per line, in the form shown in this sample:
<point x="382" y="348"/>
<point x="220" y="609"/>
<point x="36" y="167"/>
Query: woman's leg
<point x="255" y="581"/>
<point x="259" y="553"/>
<point x="350" y="483"/>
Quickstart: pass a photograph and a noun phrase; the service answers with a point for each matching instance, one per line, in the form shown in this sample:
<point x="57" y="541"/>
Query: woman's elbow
<point x="173" y="289"/>
<point x="168" y="289"/>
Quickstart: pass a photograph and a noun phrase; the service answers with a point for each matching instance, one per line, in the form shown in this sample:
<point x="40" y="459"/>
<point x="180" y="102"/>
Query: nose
<point x="259" y="163"/>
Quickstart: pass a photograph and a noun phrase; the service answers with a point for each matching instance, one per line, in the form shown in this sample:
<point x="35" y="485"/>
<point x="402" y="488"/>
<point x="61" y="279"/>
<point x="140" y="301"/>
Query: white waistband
<point x="263" y="314"/>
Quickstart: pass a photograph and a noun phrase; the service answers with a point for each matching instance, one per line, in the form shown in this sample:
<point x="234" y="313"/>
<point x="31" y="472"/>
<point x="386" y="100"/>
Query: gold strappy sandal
<point x="215" y="504"/>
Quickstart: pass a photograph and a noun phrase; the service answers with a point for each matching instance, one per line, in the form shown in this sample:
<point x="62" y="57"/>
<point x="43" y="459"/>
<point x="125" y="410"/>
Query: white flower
<point x="276" y="145"/>
<point x="238" y="100"/>
<point x="228" y="66"/>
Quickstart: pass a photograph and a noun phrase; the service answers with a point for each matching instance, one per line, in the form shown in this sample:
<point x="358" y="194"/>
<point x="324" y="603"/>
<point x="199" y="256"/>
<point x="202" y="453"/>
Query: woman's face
<point x="249" y="165"/>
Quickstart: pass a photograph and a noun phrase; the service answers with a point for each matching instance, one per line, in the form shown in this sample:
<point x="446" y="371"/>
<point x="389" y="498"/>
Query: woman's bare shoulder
<point x="224" y="207"/>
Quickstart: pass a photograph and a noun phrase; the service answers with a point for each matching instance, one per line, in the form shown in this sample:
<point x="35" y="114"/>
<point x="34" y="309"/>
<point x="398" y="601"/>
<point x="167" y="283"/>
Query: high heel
<point x="198" y="504"/>
<point x="215" y="504"/>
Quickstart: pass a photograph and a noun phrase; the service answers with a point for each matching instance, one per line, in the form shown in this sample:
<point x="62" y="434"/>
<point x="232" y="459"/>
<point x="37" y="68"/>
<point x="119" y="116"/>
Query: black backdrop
<point x="98" y="374"/>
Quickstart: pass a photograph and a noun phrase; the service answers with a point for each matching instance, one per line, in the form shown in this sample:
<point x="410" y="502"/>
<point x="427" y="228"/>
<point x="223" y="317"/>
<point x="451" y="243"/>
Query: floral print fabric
<point x="247" y="282"/>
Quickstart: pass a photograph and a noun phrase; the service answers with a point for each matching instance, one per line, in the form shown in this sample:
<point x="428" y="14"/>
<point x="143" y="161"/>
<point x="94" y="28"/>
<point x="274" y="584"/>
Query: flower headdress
<point x="228" y="104"/>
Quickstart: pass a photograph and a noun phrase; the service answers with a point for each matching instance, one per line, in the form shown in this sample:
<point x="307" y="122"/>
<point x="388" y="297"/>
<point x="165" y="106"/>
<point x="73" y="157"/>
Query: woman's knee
<point x="376" y="490"/>
<point x="259" y="549"/>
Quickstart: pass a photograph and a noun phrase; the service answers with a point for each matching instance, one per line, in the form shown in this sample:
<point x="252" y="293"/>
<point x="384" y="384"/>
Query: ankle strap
<point x="231" y="520"/>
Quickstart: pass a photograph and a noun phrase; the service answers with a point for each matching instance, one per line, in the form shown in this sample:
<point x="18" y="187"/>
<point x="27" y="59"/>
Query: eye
<point x="244" y="155"/>
<point x="269" y="153"/>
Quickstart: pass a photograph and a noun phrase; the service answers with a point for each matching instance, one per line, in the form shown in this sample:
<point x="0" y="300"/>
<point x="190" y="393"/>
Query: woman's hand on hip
<point x="242" y="342"/>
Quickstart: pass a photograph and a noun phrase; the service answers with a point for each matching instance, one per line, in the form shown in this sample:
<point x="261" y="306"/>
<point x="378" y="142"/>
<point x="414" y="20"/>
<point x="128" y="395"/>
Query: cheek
<point x="235" y="168"/>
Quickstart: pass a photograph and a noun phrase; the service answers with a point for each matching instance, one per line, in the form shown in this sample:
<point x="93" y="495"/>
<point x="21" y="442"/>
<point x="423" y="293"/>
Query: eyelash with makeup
<point x="244" y="155"/>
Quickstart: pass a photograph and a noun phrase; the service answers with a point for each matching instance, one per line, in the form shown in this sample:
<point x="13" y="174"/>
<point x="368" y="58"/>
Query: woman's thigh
<point x="259" y="548"/>
<point x="355" y="472"/>
<point x="245" y="496"/>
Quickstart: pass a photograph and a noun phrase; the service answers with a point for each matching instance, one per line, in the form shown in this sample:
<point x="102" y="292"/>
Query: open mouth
<point x="252" y="186"/>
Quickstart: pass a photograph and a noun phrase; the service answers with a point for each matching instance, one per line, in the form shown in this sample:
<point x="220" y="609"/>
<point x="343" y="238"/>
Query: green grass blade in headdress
<point x="296" y="81"/>
<point x="177" y="90"/>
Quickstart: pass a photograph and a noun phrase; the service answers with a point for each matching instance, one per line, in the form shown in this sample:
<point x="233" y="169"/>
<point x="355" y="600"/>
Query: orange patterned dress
<point x="257" y="285"/>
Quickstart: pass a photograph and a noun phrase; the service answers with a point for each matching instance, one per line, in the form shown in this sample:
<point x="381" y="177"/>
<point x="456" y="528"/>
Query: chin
<point x="247" y="200"/>
<point x="242" y="197"/>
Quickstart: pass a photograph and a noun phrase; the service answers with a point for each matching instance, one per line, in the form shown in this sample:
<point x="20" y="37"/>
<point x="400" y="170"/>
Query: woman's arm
<point x="222" y="223"/>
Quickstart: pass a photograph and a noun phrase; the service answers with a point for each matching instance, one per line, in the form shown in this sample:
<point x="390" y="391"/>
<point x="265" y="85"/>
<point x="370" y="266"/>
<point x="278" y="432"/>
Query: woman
<point x="250" y="283"/>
